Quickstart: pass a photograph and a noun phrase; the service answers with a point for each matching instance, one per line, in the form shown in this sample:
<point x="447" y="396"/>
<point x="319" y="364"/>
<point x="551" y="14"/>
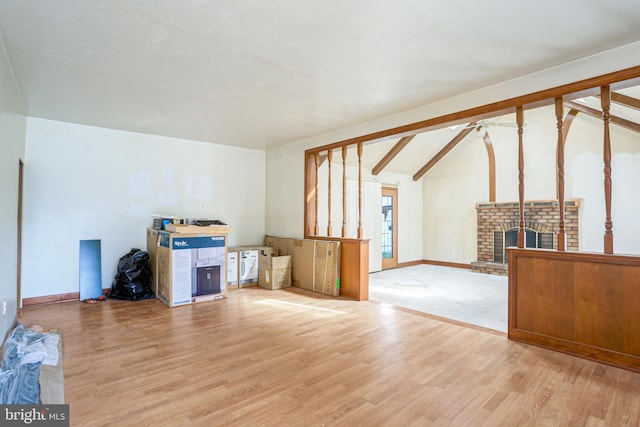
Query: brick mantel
<point x="539" y="215"/>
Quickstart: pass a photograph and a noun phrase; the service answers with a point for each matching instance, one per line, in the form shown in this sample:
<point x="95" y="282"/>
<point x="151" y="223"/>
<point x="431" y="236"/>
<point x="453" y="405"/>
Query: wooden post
<point x="344" y="191"/>
<point x="329" y="230"/>
<point x="316" y="229"/>
<point x="360" y="229"/>
<point x="520" y="122"/>
<point x="560" y="173"/>
<point x="310" y="192"/>
<point x="605" y="99"/>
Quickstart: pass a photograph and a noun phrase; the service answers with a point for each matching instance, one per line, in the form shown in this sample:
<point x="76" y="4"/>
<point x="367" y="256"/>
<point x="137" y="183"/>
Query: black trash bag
<point x="133" y="278"/>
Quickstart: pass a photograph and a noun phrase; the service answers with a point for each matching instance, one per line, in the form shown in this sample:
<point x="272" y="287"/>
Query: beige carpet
<point x="454" y="293"/>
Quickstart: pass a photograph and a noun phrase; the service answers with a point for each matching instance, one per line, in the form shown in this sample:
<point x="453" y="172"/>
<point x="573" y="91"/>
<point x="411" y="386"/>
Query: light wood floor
<point x="289" y="357"/>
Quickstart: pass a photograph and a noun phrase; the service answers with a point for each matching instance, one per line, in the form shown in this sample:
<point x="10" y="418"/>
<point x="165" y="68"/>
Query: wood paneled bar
<point x="583" y="304"/>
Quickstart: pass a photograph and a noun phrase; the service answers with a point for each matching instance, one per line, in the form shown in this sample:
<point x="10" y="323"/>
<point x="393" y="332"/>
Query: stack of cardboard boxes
<point x="188" y="263"/>
<point x="315" y="264"/>
<point x="258" y="265"/>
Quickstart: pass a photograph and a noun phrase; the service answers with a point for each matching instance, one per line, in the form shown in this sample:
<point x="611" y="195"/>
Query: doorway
<point x="389" y="227"/>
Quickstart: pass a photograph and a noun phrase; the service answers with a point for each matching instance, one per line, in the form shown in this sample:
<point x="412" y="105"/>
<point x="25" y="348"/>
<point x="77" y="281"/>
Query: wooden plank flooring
<point x="289" y="357"/>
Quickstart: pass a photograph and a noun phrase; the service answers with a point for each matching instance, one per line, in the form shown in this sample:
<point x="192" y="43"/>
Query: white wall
<point x="83" y="182"/>
<point x="12" y="141"/>
<point x="451" y="189"/>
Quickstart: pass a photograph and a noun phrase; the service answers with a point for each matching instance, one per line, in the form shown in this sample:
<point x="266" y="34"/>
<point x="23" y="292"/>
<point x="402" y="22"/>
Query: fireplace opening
<point x="532" y="239"/>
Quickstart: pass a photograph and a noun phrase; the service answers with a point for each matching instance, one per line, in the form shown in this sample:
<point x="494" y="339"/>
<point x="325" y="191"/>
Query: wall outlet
<point x="4" y="307"/>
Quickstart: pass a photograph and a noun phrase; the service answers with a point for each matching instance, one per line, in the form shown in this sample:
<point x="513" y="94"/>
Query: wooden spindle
<point x="520" y="122"/>
<point x="344" y="191"/>
<point x="560" y="173"/>
<point x="316" y="229"/>
<point x="360" y="209"/>
<point x="605" y="100"/>
<point x="329" y="230"/>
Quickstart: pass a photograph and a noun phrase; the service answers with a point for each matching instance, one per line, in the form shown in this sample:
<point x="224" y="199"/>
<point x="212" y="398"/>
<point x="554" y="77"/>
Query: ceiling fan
<point x="485" y="124"/>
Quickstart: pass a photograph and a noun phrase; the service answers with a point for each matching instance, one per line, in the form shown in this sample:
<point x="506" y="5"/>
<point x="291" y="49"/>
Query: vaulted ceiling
<point x="259" y="74"/>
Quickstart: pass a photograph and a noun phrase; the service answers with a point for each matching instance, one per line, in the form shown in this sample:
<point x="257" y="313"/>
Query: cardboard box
<point x="275" y="271"/>
<point x="315" y="264"/>
<point x="249" y="263"/>
<point x="302" y="258"/>
<point x="327" y="268"/>
<point x="232" y="268"/>
<point x="191" y="268"/>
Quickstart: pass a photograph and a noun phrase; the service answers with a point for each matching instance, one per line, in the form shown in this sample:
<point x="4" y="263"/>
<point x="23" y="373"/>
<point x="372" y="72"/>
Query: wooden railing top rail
<point x="336" y="239"/>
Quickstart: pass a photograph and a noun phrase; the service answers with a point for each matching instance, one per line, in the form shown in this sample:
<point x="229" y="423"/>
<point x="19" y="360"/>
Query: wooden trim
<point x="447" y="264"/>
<point x="627" y="101"/>
<point x="19" y="236"/>
<point x="51" y="299"/>
<point x="329" y="158"/>
<point x="544" y="97"/>
<point x="433" y="262"/>
<point x="409" y="263"/>
<point x="360" y="193"/>
<point x="444" y="151"/>
<point x="316" y="228"/>
<point x="627" y="124"/>
<point x="310" y="195"/>
<point x="605" y="100"/>
<point x="560" y="174"/>
<point x="492" y="165"/>
<point x="344" y="191"/>
<point x="520" y="122"/>
<point x="392" y="262"/>
<point x="391" y="154"/>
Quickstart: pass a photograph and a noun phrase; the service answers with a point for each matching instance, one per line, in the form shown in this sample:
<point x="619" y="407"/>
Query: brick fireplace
<point x="498" y="224"/>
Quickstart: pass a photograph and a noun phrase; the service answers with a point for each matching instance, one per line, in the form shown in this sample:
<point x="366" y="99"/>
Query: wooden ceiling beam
<point x="627" y="101"/>
<point x="391" y="154"/>
<point x="444" y="151"/>
<point x="628" y="124"/>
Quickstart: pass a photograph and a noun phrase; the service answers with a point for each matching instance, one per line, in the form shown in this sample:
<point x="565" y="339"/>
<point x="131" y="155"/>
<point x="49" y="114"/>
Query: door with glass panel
<point x="389" y="227"/>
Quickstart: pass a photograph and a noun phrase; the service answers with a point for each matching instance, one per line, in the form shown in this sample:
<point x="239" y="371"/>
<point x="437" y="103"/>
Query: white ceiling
<point x="258" y="73"/>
